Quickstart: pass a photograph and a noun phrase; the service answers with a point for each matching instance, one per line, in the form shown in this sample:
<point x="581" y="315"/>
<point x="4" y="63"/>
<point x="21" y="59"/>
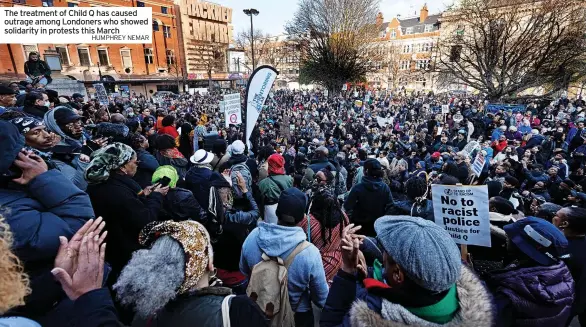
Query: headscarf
<point x="195" y="241"/>
<point x="106" y="159"/>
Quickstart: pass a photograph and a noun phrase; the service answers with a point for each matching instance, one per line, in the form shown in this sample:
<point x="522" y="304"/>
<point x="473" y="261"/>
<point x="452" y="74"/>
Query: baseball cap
<point x="538" y="239"/>
<point x="291" y="206"/>
<point x="64" y="115"/>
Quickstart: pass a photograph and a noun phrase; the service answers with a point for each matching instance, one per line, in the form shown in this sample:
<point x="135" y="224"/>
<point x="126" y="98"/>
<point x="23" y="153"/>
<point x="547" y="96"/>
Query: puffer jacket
<point x="411" y="208"/>
<point x="48" y="207"/>
<point x="350" y="304"/>
<point x="532" y="296"/>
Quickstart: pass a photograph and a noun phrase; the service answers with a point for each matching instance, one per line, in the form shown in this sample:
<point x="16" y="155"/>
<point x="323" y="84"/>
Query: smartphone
<point x="164" y="182"/>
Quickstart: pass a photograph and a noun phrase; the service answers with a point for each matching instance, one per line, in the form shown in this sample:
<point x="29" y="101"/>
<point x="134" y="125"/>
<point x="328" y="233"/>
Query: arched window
<point x="155" y="25"/>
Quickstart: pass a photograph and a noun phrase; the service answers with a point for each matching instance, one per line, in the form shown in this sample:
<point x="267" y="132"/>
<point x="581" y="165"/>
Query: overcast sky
<point x="275" y="13"/>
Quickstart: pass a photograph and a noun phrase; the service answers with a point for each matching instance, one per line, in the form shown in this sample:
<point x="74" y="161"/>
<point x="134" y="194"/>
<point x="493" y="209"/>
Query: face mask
<point x="47" y="104"/>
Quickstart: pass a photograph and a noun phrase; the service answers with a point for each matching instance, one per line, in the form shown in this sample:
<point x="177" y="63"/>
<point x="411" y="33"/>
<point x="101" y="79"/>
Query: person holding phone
<point x="125" y="207"/>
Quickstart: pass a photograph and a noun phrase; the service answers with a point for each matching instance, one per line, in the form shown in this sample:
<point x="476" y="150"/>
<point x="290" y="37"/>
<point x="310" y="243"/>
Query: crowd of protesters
<point x="150" y="212"/>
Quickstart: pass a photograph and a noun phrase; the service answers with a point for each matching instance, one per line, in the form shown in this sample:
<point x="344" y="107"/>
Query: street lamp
<point x="251" y="12"/>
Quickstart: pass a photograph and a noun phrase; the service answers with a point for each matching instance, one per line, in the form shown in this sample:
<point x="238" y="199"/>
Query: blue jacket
<point x="146" y="168"/>
<point x="95" y="309"/>
<point x="198" y="182"/>
<point x="534" y="141"/>
<point x="319" y="164"/>
<point x="368" y="201"/>
<point x="306" y="270"/>
<point x="48" y="207"/>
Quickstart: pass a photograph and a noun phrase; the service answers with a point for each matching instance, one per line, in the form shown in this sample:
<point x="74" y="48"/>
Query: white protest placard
<point x="101" y="94"/>
<point x="222" y="106"/>
<point x="463" y="212"/>
<point x="426" y="106"/>
<point x="439" y="130"/>
<point x="458" y="118"/>
<point x="345" y="87"/>
<point x="367" y="98"/>
<point x="445" y="109"/>
<point x="383" y="122"/>
<point x="232" y="109"/>
<point x="326" y="93"/>
<point x="478" y="164"/>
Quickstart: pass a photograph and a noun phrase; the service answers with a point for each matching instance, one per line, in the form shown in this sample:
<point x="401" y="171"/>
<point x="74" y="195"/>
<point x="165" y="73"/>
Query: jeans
<point x="41" y="81"/>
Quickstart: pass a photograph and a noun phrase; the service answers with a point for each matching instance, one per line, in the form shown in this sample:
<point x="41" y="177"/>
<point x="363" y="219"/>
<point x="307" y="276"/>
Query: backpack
<point x="245" y="171"/>
<point x="268" y="287"/>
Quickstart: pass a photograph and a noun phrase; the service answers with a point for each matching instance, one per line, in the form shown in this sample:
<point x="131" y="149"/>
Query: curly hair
<point x="14" y="283"/>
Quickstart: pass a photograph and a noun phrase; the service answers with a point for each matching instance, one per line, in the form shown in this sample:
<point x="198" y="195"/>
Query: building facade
<point x="123" y="68"/>
<point x="406" y="46"/>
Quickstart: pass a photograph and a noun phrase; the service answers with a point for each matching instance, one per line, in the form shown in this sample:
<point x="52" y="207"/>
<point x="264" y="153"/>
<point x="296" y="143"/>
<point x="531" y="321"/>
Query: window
<point x="409" y="30"/>
<point x="155" y="25"/>
<point x="405" y="64"/>
<point x="393" y="34"/>
<point x="428" y="28"/>
<point x="164" y="10"/>
<point x="417" y="48"/>
<point x="148" y="56"/>
<point x="407" y="48"/>
<point x="84" y="56"/>
<point x="63" y="55"/>
<point x="427" y="47"/>
<point x="126" y="58"/>
<point x="19" y="2"/>
<point x="422" y="64"/>
<point x="140" y="4"/>
<point x="167" y="31"/>
<point x="103" y="57"/>
<point x="47" y="3"/>
<point x="71" y="4"/>
<point x="28" y="48"/>
<point x="170" y="57"/>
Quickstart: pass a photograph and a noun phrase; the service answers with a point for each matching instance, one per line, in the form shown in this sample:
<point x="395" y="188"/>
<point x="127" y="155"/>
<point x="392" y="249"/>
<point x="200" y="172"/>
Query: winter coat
<point x="147" y="166"/>
<point x="198" y="182"/>
<point x="319" y="164"/>
<point x="532" y="296"/>
<point x="306" y="270"/>
<point x="368" y="201"/>
<point x="180" y="204"/>
<point x="95" y="309"/>
<point x="48" y="207"/>
<point x="204" y="306"/>
<point x="350" y="304"/>
<point x="410" y="208"/>
<point x="125" y="213"/>
<point x="181" y="165"/>
<point x="272" y="187"/>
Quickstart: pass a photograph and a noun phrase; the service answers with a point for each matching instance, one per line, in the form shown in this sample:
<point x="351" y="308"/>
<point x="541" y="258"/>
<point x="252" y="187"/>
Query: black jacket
<point x="125" y="214"/>
<point x="204" y="308"/>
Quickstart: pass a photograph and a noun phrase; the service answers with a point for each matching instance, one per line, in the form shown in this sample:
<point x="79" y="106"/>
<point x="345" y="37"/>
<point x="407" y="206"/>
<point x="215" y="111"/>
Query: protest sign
<point x="101" y="94"/>
<point x="222" y="106"/>
<point x="426" y="106"/>
<point x="232" y="109"/>
<point x="478" y="164"/>
<point x="445" y="109"/>
<point x="463" y="212"/>
<point x="439" y="130"/>
<point x="383" y="122"/>
<point x="458" y="118"/>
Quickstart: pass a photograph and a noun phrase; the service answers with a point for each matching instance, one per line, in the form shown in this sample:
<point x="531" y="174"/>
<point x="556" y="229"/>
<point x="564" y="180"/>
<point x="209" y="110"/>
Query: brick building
<point x="407" y="48"/>
<point x="142" y="68"/>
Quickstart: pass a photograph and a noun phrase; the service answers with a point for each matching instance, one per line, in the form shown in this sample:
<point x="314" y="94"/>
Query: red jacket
<point x="170" y="130"/>
<point x="499" y="146"/>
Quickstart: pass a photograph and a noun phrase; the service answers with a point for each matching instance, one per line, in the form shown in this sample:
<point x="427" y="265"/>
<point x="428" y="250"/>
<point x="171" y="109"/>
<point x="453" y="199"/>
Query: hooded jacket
<point x="66" y="153"/>
<point x="349" y="304"/>
<point x="368" y="201"/>
<point x="306" y="271"/>
<point x="533" y="296"/>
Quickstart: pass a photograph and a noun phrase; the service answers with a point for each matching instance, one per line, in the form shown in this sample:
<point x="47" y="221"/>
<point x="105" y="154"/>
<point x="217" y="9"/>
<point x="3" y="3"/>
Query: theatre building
<point x="123" y="68"/>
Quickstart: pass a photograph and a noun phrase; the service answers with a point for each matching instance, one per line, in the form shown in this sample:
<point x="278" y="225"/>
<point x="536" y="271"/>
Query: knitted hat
<point x="276" y="164"/>
<point x="26" y="124"/>
<point x="424" y="250"/>
<point x="166" y="171"/>
<point x="106" y="159"/>
<point x="292" y="205"/>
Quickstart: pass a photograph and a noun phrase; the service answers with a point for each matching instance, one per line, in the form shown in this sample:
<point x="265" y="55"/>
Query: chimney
<point x="379" y="19"/>
<point x="423" y="14"/>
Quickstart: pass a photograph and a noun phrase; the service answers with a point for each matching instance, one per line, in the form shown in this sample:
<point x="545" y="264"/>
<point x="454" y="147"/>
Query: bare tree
<point x="262" y="42"/>
<point x="211" y="58"/>
<point x="503" y="48"/>
<point x="177" y="72"/>
<point x="334" y="37"/>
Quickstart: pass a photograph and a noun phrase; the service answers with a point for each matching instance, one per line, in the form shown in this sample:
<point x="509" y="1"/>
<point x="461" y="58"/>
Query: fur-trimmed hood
<point x="474" y="311"/>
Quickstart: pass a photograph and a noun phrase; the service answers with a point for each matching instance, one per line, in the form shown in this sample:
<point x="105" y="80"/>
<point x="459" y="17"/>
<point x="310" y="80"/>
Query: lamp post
<point x="251" y="12"/>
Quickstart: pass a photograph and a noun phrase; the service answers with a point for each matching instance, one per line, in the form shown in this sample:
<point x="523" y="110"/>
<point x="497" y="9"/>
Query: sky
<point x="275" y="13"/>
